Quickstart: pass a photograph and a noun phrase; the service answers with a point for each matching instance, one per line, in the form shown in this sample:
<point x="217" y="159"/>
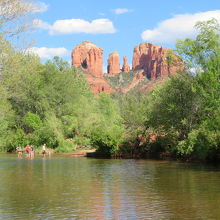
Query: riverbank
<point x="94" y="153"/>
<point x="81" y="153"/>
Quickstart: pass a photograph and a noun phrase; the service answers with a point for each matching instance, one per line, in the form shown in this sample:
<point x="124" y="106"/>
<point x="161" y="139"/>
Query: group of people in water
<point x="29" y="151"/>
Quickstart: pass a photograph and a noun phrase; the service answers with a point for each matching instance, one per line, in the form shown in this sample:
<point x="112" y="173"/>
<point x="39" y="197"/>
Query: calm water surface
<point x="80" y="188"/>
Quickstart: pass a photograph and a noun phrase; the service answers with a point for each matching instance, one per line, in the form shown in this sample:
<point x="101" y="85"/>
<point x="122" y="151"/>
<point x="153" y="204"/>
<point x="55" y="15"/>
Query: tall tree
<point x="13" y="16"/>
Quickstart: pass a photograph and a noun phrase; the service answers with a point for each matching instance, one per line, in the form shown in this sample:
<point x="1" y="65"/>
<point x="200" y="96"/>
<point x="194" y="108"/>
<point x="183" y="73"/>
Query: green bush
<point x="81" y="141"/>
<point x="64" y="147"/>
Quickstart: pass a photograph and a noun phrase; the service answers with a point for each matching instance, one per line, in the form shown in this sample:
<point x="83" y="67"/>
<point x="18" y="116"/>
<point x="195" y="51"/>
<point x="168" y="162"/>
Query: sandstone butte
<point x="113" y="63"/>
<point x="89" y="57"/>
<point x="150" y="60"/>
<point x="125" y="67"/>
<point x="154" y="61"/>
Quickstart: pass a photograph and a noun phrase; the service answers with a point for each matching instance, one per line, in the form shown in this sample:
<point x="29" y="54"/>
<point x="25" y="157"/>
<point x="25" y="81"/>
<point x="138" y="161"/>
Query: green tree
<point x="6" y="117"/>
<point x="13" y="16"/>
<point x="185" y="110"/>
<point x="203" y="54"/>
<point x="107" y="133"/>
<point x="174" y="110"/>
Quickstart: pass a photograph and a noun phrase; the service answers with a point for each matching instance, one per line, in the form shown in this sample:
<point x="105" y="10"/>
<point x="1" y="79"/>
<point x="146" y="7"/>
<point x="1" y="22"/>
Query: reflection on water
<point x="82" y="188"/>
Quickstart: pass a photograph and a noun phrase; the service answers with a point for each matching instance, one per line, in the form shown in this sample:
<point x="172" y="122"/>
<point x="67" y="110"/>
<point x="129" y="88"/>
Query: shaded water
<point x="82" y="188"/>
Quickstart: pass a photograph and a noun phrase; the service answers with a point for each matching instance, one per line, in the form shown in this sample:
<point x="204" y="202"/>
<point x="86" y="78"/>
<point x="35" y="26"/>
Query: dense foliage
<point x="52" y="103"/>
<point x="181" y="116"/>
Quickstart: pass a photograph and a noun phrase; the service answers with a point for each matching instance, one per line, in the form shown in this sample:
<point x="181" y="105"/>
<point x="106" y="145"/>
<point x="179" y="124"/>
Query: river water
<point x="62" y="187"/>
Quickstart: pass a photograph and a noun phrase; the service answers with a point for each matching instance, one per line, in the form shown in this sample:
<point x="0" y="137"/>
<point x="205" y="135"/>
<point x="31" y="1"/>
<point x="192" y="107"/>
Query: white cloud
<point x="179" y="27"/>
<point x="44" y="52"/>
<point x="39" y="7"/>
<point x="37" y="23"/>
<point x="122" y="10"/>
<point x="75" y="26"/>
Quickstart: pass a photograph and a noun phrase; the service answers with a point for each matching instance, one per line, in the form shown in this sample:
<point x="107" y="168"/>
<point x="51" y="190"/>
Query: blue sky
<point x="115" y="25"/>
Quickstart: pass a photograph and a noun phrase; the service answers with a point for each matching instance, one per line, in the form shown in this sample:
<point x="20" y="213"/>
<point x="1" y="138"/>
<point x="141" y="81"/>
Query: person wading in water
<point x="19" y="151"/>
<point x="28" y="149"/>
<point x="44" y="150"/>
<point x="32" y="152"/>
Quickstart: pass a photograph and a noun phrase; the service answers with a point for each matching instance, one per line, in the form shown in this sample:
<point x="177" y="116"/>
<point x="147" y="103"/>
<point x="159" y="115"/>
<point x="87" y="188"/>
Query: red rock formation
<point x="98" y="84"/>
<point x="114" y="63"/>
<point x="153" y="60"/>
<point x="88" y="56"/>
<point x="125" y="67"/>
<point x="138" y="78"/>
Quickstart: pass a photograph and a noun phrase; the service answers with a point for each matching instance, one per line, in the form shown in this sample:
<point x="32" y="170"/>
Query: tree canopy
<point x="52" y="103"/>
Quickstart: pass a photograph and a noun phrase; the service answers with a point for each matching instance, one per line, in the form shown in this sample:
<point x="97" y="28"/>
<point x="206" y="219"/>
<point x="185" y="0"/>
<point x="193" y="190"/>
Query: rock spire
<point x="125" y="67"/>
<point x="113" y="63"/>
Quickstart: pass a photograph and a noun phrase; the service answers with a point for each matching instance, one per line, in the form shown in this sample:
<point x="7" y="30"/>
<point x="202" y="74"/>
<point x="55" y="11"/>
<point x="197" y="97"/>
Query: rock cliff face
<point x="98" y="84"/>
<point x="113" y="63"/>
<point x="88" y="56"/>
<point x="125" y="67"/>
<point x="154" y="60"/>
